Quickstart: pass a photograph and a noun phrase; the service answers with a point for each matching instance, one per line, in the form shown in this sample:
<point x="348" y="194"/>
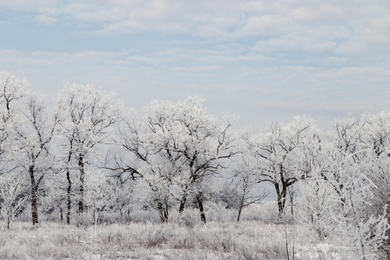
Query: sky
<point x="262" y="60"/>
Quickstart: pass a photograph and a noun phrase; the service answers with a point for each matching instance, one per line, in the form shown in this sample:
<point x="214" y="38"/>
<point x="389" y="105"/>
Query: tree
<point x="205" y="145"/>
<point x="366" y="231"/>
<point x="375" y="135"/>
<point x="355" y="162"/>
<point x="87" y="114"/>
<point x="381" y="197"/>
<point x="12" y="90"/>
<point x="245" y="181"/>
<point x="99" y="194"/>
<point x="285" y="154"/>
<point x="13" y="196"/>
<point x="174" y="145"/>
<point x="315" y="202"/>
<point x="33" y="134"/>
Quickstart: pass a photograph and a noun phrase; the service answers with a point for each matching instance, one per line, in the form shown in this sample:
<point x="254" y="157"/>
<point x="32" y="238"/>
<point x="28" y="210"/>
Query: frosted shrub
<point x="219" y="213"/>
<point x="243" y="240"/>
<point x="264" y="212"/>
<point x="144" y="216"/>
<point x="188" y="218"/>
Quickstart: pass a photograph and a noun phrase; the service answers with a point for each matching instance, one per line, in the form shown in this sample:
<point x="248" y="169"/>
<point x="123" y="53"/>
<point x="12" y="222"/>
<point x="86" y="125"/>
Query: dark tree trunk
<point x="199" y="199"/>
<point x="121" y="213"/>
<point x="82" y="177"/>
<point x="162" y="208"/>
<point x="34" y="206"/>
<point x="291" y="196"/>
<point x="69" y="189"/>
<point x="240" y="207"/>
<point x="34" y="199"/>
<point x="182" y="204"/>
<point x="68" y="197"/>
<point x="61" y="215"/>
<point x="281" y="196"/>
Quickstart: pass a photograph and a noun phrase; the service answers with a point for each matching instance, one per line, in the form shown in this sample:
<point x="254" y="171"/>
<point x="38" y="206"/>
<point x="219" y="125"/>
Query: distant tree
<point x="13" y="196"/>
<point x="245" y="181"/>
<point x="12" y="90"/>
<point x="33" y="134"/>
<point x="55" y="198"/>
<point x="87" y="115"/>
<point x="316" y="198"/>
<point x="99" y="194"/>
<point x="285" y="154"/>
<point x="174" y="144"/>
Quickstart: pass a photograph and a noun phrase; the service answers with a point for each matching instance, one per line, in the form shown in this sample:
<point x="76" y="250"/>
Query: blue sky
<point x="264" y="60"/>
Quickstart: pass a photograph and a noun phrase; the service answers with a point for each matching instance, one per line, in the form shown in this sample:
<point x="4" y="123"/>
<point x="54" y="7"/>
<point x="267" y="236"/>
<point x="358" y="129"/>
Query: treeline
<point x="86" y="153"/>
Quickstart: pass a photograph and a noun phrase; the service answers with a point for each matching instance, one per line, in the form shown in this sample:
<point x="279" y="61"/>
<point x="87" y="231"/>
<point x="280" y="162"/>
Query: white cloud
<point x="300" y="54"/>
<point x="358" y="25"/>
<point x="266" y="25"/>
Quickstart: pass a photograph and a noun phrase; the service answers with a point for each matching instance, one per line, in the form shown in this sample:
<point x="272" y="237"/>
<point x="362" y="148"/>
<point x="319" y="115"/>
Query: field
<point x="244" y="240"/>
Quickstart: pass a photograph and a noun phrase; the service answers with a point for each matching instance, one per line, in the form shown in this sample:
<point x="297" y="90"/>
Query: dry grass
<point x="246" y="240"/>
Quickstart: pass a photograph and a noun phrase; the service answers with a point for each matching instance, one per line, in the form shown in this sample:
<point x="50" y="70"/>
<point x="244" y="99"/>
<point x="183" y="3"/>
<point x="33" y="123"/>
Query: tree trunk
<point x="8" y="222"/>
<point x="34" y="206"/>
<point x="121" y="213"/>
<point x="200" y="205"/>
<point x="240" y="207"/>
<point x="291" y="196"/>
<point x="82" y="177"/>
<point x="281" y="196"/>
<point x="68" y="197"/>
<point x="61" y="215"/>
<point x="34" y="200"/>
<point x="182" y="204"/>
<point x="162" y="208"/>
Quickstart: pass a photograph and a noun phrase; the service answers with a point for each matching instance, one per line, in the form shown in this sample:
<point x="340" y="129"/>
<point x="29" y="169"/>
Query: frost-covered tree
<point x="13" y="196"/>
<point x="375" y="136"/>
<point x="381" y="196"/>
<point x="354" y="164"/>
<point x="144" y="157"/>
<point x="32" y="136"/>
<point x="12" y="90"/>
<point x="99" y="194"/>
<point x="174" y="144"/>
<point x="55" y="195"/>
<point x="315" y="201"/>
<point x="204" y="144"/>
<point x="87" y="115"/>
<point x="285" y="154"/>
<point x="366" y="231"/>
<point x="245" y="181"/>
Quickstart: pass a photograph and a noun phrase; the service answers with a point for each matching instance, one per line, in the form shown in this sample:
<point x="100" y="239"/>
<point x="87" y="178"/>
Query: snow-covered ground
<point x="245" y="240"/>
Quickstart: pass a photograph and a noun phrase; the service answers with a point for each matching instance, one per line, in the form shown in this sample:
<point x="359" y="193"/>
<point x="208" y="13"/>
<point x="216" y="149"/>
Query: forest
<point x="83" y="159"/>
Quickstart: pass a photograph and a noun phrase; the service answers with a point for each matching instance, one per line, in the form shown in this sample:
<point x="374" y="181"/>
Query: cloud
<point x="371" y="37"/>
<point x="246" y="54"/>
<point x="45" y="20"/>
<point x="266" y="25"/>
<point x="356" y="26"/>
